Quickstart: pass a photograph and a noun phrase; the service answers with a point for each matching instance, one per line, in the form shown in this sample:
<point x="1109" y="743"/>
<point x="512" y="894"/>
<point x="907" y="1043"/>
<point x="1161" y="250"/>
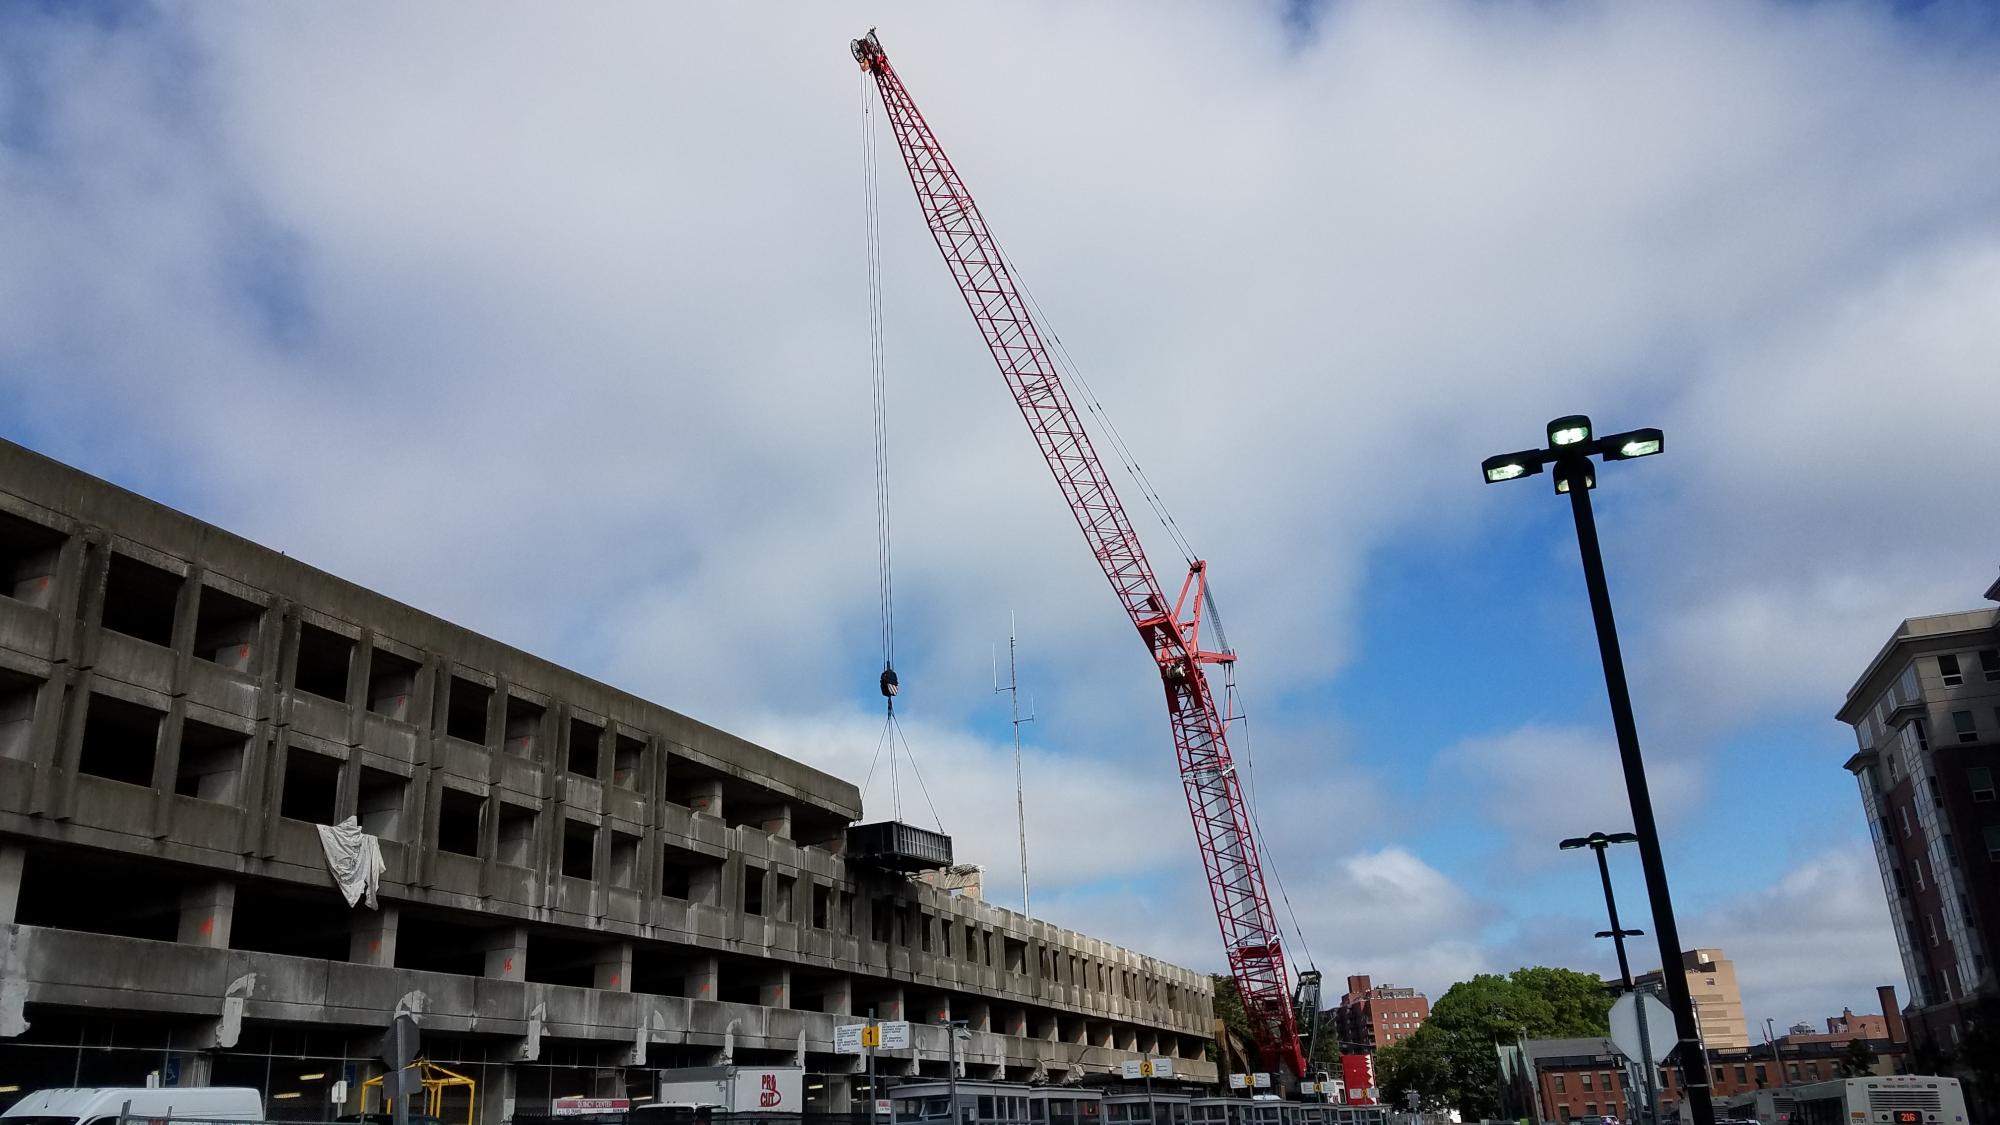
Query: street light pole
<point x="1694" y="1069"/>
<point x="1600" y="842"/>
<point x="1572" y="443"/>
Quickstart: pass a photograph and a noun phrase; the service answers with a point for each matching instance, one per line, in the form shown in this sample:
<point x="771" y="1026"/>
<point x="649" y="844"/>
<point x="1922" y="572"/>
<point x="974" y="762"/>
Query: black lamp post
<point x="1598" y="842"/>
<point x="1572" y="444"/>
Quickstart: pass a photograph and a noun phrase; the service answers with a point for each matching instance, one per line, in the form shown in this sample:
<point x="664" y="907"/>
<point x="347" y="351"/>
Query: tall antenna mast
<point x="1013" y="690"/>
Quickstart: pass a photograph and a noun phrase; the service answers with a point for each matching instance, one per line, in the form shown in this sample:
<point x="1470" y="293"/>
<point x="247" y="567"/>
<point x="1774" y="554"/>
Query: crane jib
<point x="1172" y="634"/>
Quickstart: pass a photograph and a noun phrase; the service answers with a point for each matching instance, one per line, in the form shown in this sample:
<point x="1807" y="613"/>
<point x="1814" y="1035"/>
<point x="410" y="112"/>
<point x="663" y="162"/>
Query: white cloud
<point x="1810" y="943"/>
<point x="1540" y="784"/>
<point x="556" y="326"/>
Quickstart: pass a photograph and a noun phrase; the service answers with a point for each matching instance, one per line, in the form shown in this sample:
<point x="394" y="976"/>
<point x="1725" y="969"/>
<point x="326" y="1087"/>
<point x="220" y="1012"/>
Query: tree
<point x="1451" y="1061"/>
<point x="1858" y="1060"/>
<point x="1228" y="1009"/>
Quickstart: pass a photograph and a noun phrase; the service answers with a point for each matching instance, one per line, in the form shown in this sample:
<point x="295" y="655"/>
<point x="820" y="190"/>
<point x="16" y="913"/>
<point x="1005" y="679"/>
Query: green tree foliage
<point x="1228" y="1009"/>
<point x="1857" y="1060"/>
<point x="1451" y="1063"/>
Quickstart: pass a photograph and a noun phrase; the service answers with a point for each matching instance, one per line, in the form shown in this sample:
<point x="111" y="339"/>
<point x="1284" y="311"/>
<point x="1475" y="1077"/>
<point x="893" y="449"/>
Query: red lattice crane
<point x="1172" y="632"/>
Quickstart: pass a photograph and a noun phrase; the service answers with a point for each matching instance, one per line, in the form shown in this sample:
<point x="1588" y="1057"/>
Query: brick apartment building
<point x="1926" y="717"/>
<point x="1372" y="1016"/>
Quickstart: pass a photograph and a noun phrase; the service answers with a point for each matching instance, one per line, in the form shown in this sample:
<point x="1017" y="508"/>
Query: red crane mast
<point x="1172" y="632"/>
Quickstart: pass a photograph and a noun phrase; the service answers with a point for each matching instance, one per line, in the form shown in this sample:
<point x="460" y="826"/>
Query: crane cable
<point x="892" y="728"/>
<point x="1158" y="504"/>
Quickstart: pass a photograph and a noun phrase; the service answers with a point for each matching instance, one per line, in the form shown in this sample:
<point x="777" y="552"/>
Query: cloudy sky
<point x="555" y="324"/>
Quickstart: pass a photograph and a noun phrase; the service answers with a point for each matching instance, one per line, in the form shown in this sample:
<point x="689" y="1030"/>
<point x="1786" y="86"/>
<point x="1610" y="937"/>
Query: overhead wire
<point x="1157" y="502"/>
<point x="1126" y="458"/>
<point x="872" y="209"/>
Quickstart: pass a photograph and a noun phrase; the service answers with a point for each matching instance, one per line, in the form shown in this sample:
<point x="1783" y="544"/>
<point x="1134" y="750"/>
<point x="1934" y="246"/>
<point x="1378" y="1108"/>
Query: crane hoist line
<point x="1171" y="630"/>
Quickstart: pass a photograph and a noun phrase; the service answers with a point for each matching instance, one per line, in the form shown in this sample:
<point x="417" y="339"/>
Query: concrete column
<point x="939" y="1008"/>
<point x="777" y="819"/>
<point x="613" y="971"/>
<point x="498" y="1087"/>
<point x="13" y="859"/>
<point x="838" y="997"/>
<point x="207" y="910"/>
<point x="372" y="937"/>
<point x="705" y="796"/>
<point x="838" y="1095"/>
<point x="507" y="953"/>
<point x="705" y="884"/>
<point x="977" y="1014"/>
<point x="1048" y="1026"/>
<point x="703" y="979"/>
<point x="889" y="1005"/>
<point x="776" y="989"/>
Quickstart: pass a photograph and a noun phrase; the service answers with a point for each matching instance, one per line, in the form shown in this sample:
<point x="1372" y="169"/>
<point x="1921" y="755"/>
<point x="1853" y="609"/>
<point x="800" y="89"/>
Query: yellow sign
<point x="871" y="1035"/>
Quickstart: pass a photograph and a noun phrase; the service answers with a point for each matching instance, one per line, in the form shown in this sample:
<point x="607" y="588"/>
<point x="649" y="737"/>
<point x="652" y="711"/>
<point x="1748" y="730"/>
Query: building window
<point x="1948" y="667"/>
<point x="1950" y="853"/>
<point x="1742" y="1075"/>
<point x="1930" y="930"/>
<point x="1961" y="721"/>
<point x="1559" y="1084"/>
<point x="1590" y="1109"/>
<point x="1903" y="815"/>
<point x="1993" y="842"/>
<point x="1584" y="1080"/>
<point x="1922" y="732"/>
<point x="1762" y="1075"/>
<point x="1989" y="663"/>
<point x="1917" y="865"/>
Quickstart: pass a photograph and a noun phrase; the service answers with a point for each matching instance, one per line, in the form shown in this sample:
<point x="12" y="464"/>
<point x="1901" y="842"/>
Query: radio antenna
<point x="1013" y="689"/>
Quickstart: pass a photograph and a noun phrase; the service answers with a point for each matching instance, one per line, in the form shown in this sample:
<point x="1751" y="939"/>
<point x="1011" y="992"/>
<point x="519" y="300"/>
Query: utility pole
<point x="874" y="1098"/>
<point x="1013" y="690"/>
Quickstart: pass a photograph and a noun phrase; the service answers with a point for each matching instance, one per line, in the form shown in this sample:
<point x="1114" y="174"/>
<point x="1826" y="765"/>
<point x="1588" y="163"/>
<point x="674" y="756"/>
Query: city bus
<point x="1894" y="1099"/>
<point x="1765" y="1107"/>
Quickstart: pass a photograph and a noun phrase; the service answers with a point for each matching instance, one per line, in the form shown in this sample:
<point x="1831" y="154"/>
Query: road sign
<point x="1239" y="1081"/>
<point x="577" y="1107"/>
<point x="399" y="1043"/>
<point x="847" y="1038"/>
<point x="337" y="1093"/>
<point x="1148" y="1068"/>
<point x="399" y="1084"/>
<point x="895" y="1035"/>
<point x="1659" y="1031"/>
<point x="1261" y="1079"/>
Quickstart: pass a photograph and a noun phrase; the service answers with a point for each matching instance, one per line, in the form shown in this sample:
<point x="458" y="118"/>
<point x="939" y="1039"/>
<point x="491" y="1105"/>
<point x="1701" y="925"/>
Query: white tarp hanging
<point x="354" y="858"/>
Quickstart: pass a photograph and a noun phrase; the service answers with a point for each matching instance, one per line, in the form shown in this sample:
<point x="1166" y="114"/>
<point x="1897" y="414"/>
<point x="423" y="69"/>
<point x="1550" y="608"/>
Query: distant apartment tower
<point x="1711" y="979"/>
<point x="1372" y="1017"/>
<point x="1926" y="713"/>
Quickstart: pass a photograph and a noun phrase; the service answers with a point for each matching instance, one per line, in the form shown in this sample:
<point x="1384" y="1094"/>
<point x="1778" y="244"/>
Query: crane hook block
<point x="889" y="682"/>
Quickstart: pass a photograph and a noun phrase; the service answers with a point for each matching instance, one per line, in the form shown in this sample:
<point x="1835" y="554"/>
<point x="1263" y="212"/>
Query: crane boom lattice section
<point x="1215" y="799"/>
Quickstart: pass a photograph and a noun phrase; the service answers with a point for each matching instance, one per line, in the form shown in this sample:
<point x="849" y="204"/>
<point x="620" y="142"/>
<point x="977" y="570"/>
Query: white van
<point x="102" y="1105"/>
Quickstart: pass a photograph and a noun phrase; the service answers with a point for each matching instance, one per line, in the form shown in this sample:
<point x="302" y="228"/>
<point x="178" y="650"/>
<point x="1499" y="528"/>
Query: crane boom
<point x="1172" y="632"/>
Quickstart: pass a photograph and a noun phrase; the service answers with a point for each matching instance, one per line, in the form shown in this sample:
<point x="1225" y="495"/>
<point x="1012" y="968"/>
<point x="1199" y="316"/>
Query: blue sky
<point x="556" y="326"/>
